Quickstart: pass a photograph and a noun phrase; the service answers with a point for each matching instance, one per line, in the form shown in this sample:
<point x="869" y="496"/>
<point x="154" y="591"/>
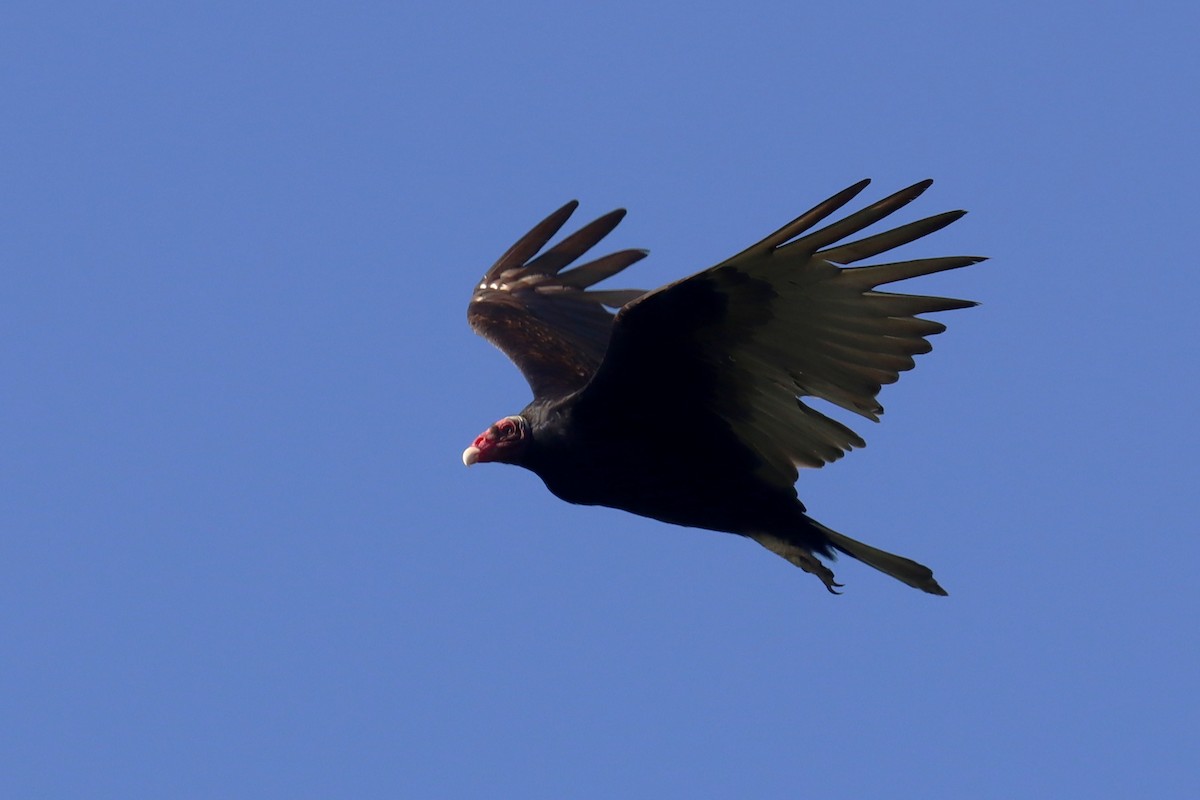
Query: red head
<point x="503" y="441"/>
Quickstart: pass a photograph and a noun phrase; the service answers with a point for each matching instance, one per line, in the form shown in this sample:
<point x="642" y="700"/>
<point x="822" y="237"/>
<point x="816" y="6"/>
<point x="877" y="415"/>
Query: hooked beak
<point x="470" y="455"/>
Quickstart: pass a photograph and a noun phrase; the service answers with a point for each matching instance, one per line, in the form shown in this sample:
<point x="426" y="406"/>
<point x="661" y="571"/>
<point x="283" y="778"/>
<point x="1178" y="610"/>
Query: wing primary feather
<point x="593" y="272"/>
<point x="894" y="304"/>
<point x="528" y="245"/>
<point x="850" y="252"/>
<point x="805" y="221"/>
<point x="860" y="219"/>
<point x="575" y="245"/>
<point x="866" y="278"/>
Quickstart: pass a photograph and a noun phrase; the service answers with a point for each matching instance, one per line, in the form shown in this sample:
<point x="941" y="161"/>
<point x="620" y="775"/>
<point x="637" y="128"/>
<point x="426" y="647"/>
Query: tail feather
<point x="902" y="569"/>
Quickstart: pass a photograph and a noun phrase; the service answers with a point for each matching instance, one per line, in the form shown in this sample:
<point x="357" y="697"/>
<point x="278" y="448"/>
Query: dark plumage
<point x="685" y="406"/>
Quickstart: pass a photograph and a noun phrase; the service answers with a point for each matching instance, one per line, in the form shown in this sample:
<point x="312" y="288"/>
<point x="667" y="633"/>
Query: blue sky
<point x="241" y="557"/>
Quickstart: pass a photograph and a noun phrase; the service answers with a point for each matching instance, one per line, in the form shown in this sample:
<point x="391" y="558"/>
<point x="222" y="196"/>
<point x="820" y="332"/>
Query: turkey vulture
<point x="686" y="404"/>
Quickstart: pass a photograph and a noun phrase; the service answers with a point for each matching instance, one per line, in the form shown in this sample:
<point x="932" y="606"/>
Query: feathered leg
<point x="802" y="557"/>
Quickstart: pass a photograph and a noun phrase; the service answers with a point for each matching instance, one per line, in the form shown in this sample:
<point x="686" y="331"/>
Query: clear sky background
<point x="240" y="556"/>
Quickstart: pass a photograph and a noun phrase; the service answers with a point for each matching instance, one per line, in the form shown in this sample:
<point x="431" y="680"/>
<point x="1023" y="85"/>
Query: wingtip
<point x="564" y="211"/>
<point x="853" y="190"/>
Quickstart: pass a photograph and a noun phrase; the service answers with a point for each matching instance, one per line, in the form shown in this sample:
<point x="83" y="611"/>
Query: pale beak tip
<point x="470" y="456"/>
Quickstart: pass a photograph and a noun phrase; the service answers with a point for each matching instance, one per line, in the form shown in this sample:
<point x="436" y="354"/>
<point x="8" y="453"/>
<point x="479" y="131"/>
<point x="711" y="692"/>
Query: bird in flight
<point x="686" y="403"/>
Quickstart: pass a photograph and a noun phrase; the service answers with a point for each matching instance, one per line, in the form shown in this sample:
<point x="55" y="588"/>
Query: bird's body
<point x="684" y="406"/>
<point x="680" y="483"/>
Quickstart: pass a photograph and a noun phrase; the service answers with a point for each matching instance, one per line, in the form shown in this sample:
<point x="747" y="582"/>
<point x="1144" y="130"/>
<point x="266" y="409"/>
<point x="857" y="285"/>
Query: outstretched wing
<point x="544" y="319"/>
<point x="783" y="320"/>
